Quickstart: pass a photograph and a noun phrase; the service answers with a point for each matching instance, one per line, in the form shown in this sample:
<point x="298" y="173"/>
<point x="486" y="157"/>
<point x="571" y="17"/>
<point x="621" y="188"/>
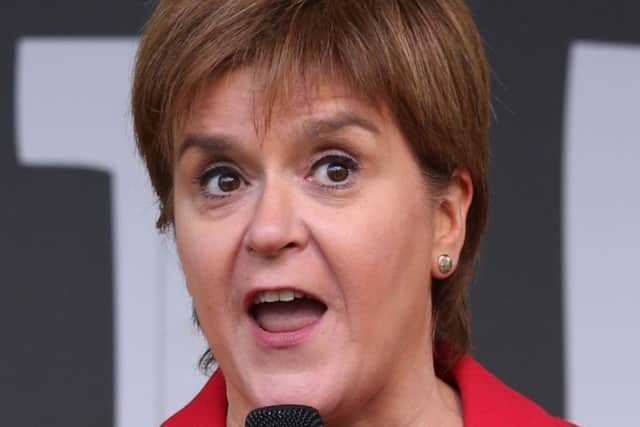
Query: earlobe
<point x="451" y="212"/>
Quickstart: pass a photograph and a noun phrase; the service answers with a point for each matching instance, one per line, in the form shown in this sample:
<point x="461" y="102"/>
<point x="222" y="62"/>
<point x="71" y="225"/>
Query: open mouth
<point x="285" y="310"/>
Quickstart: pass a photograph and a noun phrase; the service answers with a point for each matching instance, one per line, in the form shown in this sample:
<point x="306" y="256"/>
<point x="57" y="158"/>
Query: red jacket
<point x="486" y="402"/>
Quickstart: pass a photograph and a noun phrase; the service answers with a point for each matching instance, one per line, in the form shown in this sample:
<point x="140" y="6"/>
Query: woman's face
<point x="307" y="248"/>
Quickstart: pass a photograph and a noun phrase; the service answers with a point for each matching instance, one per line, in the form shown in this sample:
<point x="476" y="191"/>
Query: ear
<point x="450" y="220"/>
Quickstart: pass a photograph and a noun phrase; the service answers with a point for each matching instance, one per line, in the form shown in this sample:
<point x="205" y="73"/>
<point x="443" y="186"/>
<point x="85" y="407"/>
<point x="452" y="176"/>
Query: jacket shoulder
<point x="487" y="401"/>
<point x="207" y="409"/>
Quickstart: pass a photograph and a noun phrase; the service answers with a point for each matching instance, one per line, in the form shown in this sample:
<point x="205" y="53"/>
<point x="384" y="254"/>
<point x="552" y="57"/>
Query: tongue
<point x="287" y="316"/>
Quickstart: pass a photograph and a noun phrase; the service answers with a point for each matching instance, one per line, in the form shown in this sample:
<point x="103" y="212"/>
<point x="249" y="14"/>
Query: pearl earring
<point x="445" y="264"/>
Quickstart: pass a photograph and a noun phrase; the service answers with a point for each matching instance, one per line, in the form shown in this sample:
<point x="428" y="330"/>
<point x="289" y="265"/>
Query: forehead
<point x="238" y="102"/>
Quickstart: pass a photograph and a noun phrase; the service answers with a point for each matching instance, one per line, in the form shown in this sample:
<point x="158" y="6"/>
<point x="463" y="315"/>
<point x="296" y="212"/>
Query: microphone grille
<point x="284" y="416"/>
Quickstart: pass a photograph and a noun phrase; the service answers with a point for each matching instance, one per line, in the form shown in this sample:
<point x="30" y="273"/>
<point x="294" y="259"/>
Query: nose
<point x="276" y="225"/>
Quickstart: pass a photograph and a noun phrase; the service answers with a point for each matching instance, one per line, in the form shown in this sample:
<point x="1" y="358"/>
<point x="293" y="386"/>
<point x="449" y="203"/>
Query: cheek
<point x="381" y="252"/>
<point x="205" y="253"/>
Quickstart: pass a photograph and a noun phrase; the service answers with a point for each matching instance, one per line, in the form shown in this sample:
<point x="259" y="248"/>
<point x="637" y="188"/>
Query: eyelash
<point x="343" y="160"/>
<point x="211" y="171"/>
<point x="219" y="168"/>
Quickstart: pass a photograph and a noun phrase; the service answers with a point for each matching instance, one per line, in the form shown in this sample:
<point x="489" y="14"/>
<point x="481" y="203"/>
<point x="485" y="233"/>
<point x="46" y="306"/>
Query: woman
<point x="322" y="165"/>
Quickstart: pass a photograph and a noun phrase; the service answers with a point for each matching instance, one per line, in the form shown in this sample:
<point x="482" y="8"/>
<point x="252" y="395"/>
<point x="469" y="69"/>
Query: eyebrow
<point x="311" y="127"/>
<point x="338" y="122"/>
<point x="214" y="142"/>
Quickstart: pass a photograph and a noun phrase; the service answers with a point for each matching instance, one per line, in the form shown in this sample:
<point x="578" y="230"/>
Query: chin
<point x="317" y="389"/>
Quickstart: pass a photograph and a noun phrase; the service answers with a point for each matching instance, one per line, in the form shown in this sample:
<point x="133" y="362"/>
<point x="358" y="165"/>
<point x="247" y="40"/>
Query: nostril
<point x="272" y="250"/>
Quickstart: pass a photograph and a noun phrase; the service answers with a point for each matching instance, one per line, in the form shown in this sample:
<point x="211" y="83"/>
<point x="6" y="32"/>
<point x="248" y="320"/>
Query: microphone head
<point x="284" y="416"/>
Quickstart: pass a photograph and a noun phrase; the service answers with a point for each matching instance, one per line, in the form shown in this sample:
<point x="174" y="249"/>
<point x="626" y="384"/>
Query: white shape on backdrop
<point x="601" y="234"/>
<point x="72" y="110"/>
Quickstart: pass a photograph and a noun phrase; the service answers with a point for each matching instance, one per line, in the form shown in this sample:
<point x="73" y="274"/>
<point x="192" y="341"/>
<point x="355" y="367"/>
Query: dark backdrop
<point x="56" y="316"/>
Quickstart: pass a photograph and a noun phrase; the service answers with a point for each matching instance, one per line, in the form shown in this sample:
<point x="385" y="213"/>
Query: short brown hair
<point x="421" y="59"/>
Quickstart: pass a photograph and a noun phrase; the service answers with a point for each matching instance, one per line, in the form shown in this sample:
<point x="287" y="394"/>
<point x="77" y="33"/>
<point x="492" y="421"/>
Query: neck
<point x="413" y="397"/>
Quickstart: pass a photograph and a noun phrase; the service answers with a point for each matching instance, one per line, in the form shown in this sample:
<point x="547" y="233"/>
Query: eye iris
<point x="337" y="172"/>
<point x="228" y="183"/>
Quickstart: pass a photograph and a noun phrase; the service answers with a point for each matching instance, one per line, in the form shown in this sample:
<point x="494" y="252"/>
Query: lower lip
<point x="283" y="340"/>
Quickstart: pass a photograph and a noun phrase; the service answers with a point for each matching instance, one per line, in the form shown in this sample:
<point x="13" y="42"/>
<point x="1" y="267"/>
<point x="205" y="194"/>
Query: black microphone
<point x="284" y="416"/>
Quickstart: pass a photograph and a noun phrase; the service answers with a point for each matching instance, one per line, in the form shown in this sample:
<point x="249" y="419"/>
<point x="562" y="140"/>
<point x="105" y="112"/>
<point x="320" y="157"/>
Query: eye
<point x="220" y="180"/>
<point x="334" y="170"/>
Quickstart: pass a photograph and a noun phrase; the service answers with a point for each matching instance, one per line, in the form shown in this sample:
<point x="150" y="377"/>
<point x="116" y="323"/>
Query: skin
<point x="367" y="247"/>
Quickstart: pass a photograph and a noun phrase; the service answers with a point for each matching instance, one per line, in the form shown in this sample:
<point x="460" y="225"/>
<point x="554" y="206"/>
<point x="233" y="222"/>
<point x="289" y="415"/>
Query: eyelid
<point x="333" y="155"/>
<point x="337" y="157"/>
<point x="339" y="145"/>
<point x="221" y="164"/>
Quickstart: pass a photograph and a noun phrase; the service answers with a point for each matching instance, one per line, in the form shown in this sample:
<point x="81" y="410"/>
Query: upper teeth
<point x="274" y="296"/>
